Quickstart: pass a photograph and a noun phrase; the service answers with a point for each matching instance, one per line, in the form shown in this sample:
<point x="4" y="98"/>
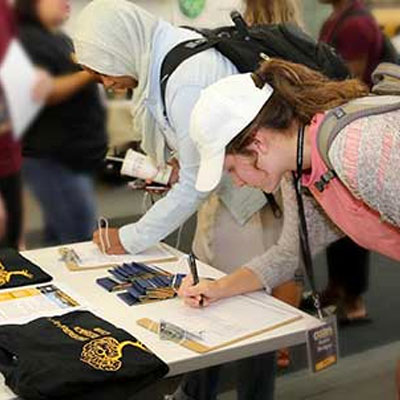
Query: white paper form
<point x="229" y="319"/>
<point x="18" y="77"/>
<point x="90" y="256"/>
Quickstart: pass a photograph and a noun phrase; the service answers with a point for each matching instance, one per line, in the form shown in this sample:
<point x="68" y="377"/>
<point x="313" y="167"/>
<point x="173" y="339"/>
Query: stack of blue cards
<point x="137" y="283"/>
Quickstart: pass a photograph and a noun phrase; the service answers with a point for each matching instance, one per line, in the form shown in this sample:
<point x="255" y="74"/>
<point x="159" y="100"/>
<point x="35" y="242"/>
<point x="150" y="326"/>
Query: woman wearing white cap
<point x="265" y="114"/>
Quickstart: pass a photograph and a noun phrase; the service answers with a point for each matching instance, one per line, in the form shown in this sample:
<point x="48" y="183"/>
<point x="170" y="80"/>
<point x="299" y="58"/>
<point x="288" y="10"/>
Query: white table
<point x="180" y="360"/>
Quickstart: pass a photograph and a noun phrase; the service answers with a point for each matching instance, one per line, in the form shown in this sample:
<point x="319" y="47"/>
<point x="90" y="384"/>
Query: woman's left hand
<point x="113" y="238"/>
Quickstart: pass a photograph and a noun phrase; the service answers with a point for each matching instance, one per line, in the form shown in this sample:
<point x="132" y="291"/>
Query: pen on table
<point x="193" y="270"/>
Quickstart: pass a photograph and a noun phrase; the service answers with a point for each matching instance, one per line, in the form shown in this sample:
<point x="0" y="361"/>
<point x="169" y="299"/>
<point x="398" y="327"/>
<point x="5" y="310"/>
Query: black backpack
<point x="244" y="47"/>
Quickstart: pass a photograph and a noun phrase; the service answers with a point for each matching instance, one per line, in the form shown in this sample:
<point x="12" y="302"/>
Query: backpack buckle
<point x="339" y="112"/>
<point x="324" y="180"/>
<point x="195" y="43"/>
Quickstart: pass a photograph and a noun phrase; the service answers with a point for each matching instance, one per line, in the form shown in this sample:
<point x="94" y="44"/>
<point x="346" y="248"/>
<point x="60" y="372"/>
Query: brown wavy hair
<point x="272" y="12"/>
<point x="299" y="94"/>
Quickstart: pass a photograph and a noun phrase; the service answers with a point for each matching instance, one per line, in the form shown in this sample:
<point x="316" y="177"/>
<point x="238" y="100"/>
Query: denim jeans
<point x="66" y="198"/>
<point x="255" y="380"/>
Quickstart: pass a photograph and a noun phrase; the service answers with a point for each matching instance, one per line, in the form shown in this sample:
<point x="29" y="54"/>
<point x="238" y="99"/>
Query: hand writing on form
<point x="209" y="291"/>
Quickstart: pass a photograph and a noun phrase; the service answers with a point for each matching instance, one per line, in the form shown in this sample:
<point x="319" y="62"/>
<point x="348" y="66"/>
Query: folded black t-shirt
<point x="16" y="271"/>
<point x="76" y="356"/>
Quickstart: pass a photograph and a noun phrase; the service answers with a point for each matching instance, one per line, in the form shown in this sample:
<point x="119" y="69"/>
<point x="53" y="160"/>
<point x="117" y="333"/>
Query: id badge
<point x="323" y="345"/>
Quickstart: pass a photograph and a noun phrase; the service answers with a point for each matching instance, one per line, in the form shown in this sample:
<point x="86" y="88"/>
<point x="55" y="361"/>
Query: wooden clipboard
<point x="200" y="348"/>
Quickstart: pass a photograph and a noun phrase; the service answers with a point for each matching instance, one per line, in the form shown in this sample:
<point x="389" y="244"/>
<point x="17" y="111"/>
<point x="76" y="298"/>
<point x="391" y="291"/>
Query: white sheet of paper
<point x="229" y="319"/>
<point x="91" y="256"/>
<point x="18" y="76"/>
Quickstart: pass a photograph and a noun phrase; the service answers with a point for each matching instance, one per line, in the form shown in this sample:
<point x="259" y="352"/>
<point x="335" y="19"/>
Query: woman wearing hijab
<point x="124" y="47"/>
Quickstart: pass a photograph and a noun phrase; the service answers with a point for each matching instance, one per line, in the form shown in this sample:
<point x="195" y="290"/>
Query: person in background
<point x="272" y="12"/>
<point x="10" y="152"/>
<point x="68" y="141"/>
<point x="10" y="155"/>
<point x="396" y="40"/>
<point x="358" y="39"/>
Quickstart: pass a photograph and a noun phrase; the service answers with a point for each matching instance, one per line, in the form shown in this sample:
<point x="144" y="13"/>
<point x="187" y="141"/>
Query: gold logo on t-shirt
<point x="105" y="354"/>
<point x="6" y="276"/>
<point x="102" y="353"/>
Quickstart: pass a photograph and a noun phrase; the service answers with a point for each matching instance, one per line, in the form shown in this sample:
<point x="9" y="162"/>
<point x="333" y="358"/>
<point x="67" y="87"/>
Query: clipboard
<point x="72" y="260"/>
<point x="197" y="347"/>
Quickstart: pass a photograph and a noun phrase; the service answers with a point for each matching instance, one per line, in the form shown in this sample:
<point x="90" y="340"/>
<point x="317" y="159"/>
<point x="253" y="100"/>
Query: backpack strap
<point x="181" y="53"/>
<point x="386" y="79"/>
<point x="338" y="118"/>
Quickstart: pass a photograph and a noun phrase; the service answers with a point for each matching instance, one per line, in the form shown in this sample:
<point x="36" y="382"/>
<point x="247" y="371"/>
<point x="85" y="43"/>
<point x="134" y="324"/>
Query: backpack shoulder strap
<point x="337" y="119"/>
<point x="182" y="52"/>
<point x="386" y="79"/>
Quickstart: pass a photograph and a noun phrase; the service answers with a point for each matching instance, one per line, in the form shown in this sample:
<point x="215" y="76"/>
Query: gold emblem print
<point x="105" y="354"/>
<point x="5" y="276"/>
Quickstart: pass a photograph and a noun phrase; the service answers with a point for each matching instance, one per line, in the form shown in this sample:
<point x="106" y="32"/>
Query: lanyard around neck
<point x="303" y="232"/>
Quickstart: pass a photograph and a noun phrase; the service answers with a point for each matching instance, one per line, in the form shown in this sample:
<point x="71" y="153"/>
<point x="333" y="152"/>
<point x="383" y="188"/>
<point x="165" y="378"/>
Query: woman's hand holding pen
<point x="206" y="290"/>
<point x="243" y="280"/>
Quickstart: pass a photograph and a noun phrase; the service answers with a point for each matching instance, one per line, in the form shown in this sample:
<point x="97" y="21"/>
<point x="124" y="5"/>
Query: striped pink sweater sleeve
<point x="366" y="157"/>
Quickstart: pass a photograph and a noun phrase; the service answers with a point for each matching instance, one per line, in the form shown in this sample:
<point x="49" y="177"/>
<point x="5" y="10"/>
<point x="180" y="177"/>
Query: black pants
<point x="11" y="192"/>
<point x="348" y="266"/>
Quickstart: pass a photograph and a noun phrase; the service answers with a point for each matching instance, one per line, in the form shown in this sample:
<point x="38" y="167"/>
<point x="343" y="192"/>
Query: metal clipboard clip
<point x="174" y="333"/>
<point x="69" y="256"/>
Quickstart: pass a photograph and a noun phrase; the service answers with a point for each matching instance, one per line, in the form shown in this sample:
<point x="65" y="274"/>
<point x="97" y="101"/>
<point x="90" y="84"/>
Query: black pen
<point x="193" y="270"/>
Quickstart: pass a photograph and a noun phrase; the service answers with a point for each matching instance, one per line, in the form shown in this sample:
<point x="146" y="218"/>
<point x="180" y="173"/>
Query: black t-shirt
<point x="72" y="132"/>
<point x="76" y="356"/>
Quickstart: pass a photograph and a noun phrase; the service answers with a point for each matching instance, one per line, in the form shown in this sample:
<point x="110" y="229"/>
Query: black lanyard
<point x="303" y="233"/>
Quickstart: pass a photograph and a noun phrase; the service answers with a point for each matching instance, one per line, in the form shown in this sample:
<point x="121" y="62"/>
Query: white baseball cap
<point x="223" y="110"/>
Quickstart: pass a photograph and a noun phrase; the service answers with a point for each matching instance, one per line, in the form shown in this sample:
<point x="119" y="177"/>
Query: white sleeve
<point x="183" y="199"/>
<point x="279" y="263"/>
